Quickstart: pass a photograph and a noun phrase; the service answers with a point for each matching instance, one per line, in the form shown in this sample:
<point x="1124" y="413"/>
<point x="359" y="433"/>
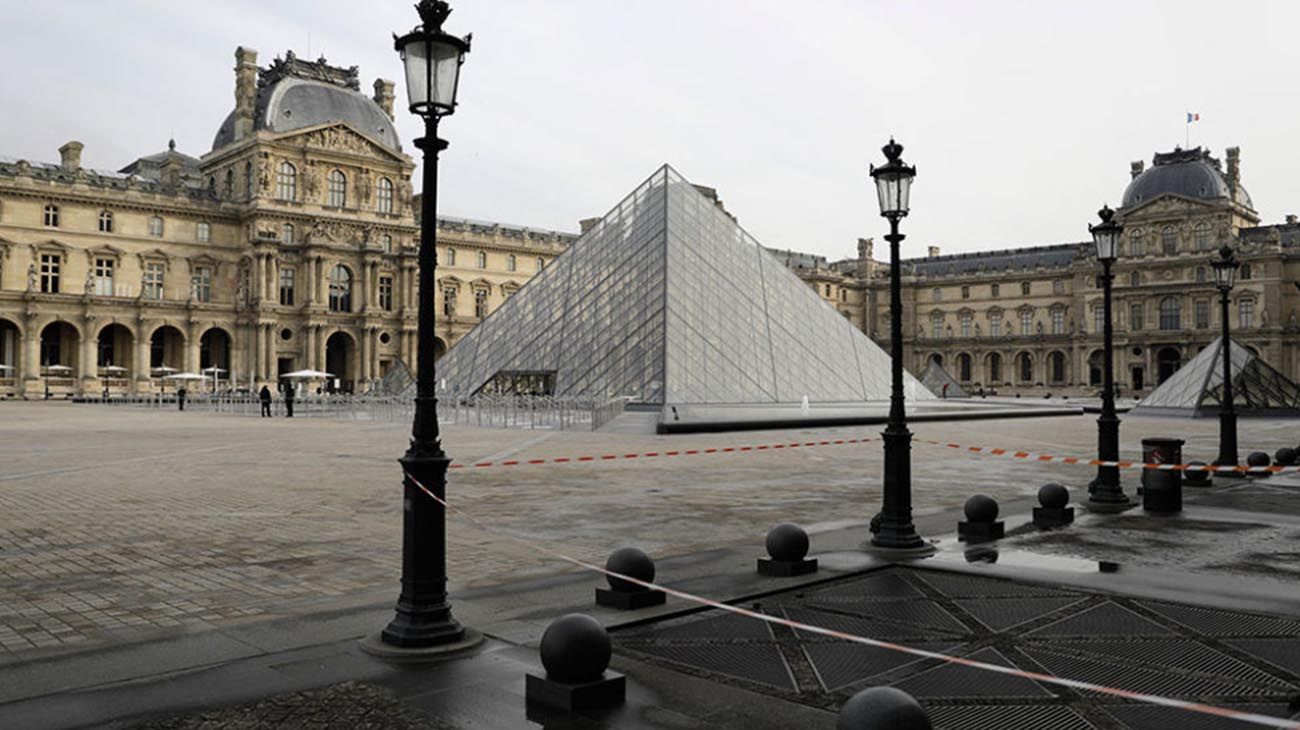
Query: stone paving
<point x="119" y="524"/>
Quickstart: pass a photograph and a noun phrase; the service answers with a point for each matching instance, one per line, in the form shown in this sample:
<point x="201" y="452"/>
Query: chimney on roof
<point x="70" y="156"/>
<point x="865" y="246"/>
<point x="384" y="96"/>
<point x="933" y="252"/>
<point x="245" y="91"/>
<point x="1291" y="219"/>
<point x="1234" y="169"/>
<point x="1136" y="167"/>
<point x="586" y="224"/>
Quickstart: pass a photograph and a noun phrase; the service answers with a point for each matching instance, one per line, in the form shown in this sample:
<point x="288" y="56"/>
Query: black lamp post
<point x="424" y="623"/>
<point x="1225" y="271"/>
<point x="892" y="529"/>
<point x="1106" y="494"/>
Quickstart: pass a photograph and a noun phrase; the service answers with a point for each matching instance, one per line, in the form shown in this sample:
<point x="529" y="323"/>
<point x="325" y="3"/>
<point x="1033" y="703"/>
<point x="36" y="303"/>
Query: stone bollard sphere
<point x="632" y="562"/>
<point x="981" y="508"/>
<point x="1053" y="495"/>
<point x="1285" y="457"/>
<point x="1196" y="473"/>
<point x="882" y="708"/>
<point x="575" y="648"/>
<point x="1257" y="458"/>
<point x="787" y="542"/>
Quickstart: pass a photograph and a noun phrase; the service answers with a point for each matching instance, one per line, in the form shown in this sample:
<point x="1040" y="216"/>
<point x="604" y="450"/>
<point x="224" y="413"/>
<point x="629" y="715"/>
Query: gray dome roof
<point x="296" y="103"/>
<point x="1190" y="173"/>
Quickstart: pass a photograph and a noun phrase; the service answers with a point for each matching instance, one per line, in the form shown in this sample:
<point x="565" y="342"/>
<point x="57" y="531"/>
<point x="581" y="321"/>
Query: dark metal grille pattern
<point x="1228" y="658"/>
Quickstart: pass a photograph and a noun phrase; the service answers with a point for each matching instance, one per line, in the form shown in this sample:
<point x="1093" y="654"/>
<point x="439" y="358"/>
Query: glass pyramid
<point x="934" y="378"/>
<point x="667" y="300"/>
<point x="1196" y="389"/>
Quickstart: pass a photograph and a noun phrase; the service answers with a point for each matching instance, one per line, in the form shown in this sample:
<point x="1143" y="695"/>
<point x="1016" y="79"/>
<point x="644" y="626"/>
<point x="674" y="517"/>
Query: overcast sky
<point x="1022" y="117"/>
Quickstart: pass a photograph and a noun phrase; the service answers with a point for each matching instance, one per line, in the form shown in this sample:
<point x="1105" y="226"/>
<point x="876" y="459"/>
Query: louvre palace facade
<point x="290" y="244"/>
<point x="1029" y="320"/>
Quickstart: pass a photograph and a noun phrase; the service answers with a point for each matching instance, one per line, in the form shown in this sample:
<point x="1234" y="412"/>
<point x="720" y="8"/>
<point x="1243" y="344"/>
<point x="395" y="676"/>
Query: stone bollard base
<point x="786" y="568"/>
<point x="980" y="531"/>
<point x="610" y="689"/>
<point x="629" y="600"/>
<point x="1045" y="517"/>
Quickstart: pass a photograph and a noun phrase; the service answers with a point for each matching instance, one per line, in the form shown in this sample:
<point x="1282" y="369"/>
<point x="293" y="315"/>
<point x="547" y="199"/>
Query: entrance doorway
<point x="1168" y="360"/>
<point x="339" y="353"/>
<point x="1139" y="377"/>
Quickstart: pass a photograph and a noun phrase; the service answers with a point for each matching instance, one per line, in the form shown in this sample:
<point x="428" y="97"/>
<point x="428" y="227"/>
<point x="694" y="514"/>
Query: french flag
<point x="1193" y="117"/>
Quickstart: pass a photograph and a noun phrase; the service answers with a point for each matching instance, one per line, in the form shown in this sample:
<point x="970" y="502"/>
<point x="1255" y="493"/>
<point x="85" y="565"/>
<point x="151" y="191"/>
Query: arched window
<point x="229" y="190"/>
<point x="338" y="189"/>
<point x="286" y="233"/>
<point x="52" y="216"/>
<point x="541" y="263"/>
<point x="387" y="242"/>
<point x="1202" y="235"/>
<point x="1024" y="288"/>
<point x="248" y="179"/>
<point x="1168" y="241"/>
<point x="963" y="367"/>
<point x="995" y="368"/>
<point x="511" y="263"/>
<point x="1137" y="243"/>
<point x="451" y="256"/>
<point x="1135" y="279"/>
<point x="105" y="221"/>
<point x="1170" y="313"/>
<point x="481" y="259"/>
<point x="1056" y="367"/>
<point x="1026" y="368"/>
<point x="384" y="195"/>
<point x="286" y="182"/>
<point x="340" y="289"/>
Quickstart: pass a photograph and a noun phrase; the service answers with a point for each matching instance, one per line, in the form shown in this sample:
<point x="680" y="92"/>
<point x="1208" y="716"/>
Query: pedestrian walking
<point x="288" y="399"/>
<point x="265" y="395"/>
<point x="180" y="397"/>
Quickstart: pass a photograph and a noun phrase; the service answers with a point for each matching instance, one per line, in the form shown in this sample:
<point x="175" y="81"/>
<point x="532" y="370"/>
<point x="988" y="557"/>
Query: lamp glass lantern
<point x="1225" y="269"/>
<point x="432" y="59"/>
<point x="1105" y="235"/>
<point x="893" y="182"/>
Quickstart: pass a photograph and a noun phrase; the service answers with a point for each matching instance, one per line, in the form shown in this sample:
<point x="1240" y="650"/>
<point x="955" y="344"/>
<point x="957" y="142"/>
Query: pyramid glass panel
<point x="667" y="300"/>
<point x="1196" y="389"/>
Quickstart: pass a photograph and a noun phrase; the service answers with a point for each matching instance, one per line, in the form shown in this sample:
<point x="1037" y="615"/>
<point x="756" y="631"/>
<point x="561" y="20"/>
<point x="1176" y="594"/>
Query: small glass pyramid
<point x="1196" y="389"/>
<point x="668" y="301"/>
<point x="935" y="378"/>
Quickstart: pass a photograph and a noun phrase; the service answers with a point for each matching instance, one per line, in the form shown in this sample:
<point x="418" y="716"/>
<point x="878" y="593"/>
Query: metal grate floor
<point x="1227" y="658"/>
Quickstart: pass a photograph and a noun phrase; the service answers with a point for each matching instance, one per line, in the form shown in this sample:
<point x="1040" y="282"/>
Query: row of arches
<point x="992" y="369"/>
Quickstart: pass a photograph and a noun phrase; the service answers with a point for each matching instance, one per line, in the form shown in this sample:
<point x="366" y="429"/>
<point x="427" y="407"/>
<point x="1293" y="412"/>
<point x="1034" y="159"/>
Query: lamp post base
<point x="893" y="554"/>
<point x="375" y="645"/>
<point x="1109" y="505"/>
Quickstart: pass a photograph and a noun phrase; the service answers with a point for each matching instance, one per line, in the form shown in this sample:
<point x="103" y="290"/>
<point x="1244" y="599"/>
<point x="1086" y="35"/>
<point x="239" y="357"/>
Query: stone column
<point x="89" y="352"/>
<point x="322" y="290"/>
<point x="192" y="348"/>
<point x="259" y="278"/>
<point x="272" y="269"/>
<point x="364" y="370"/>
<point x="141" y="378"/>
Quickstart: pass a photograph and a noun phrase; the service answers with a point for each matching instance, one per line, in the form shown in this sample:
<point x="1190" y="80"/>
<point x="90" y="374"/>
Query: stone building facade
<point x="1028" y="320"/>
<point x="290" y="245"/>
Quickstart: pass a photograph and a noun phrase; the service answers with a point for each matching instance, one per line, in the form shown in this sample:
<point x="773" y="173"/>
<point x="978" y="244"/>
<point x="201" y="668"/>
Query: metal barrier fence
<point x="499" y="411"/>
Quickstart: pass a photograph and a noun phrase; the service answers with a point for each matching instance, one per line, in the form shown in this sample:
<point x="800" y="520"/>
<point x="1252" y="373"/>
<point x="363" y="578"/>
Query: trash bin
<point x="1162" y="489"/>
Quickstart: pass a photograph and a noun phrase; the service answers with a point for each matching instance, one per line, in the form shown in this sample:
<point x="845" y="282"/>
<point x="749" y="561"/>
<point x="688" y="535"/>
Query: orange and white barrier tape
<point x="1247" y="717"/>
<point x="1086" y="461"/>
<point x="661" y="454"/>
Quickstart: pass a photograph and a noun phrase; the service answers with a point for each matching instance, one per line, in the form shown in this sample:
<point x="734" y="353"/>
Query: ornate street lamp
<point x="1225" y="271"/>
<point x="424" y="624"/>
<point x="892" y="530"/>
<point x="1106" y="494"/>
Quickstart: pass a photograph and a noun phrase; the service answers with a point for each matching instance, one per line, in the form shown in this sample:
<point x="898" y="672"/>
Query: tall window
<point x="1024" y="288"/>
<point x="1246" y="272"/>
<point x="1202" y="310"/>
<point x="511" y="263"/>
<point x="995" y="323"/>
<point x="936" y="294"/>
<point x="481" y="259"/>
<point x="50" y="264"/>
<point x="449" y="301"/>
<point x="1058" y="321"/>
<point x="1026" y="322"/>
<point x="340" y="289"/>
<point x="1137" y="243"/>
<point x="386" y="293"/>
<point x="286" y="182"/>
<point x="286" y="233"/>
<point x="286" y="286"/>
<point x="1246" y="313"/>
<point x="228" y="191"/>
<point x="1098" y="318"/>
<point x="1168" y="241"/>
<point x="384" y="195"/>
<point x="936" y="325"/>
<point x="1056" y="367"/>
<point x="52" y="216"/>
<point x="541" y="263"/>
<point x="963" y="367"/>
<point x="104" y="277"/>
<point x="965" y="324"/>
<point x="993" y="291"/>
<point x="451" y="256"/>
<point x="1202" y="236"/>
<point x="1135" y="278"/>
<point x="338" y="189"/>
<point x="1058" y="286"/>
<point x="1200" y="274"/>
<point x="995" y="368"/>
<point x="965" y="292"/>
<point x="201" y="281"/>
<point x="387" y="242"/>
<point x="153" y="280"/>
<point x="105" y="221"/>
<point x="155" y="226"/>
<point x="1135" y="317"/>
<point x="480" y="303"/>
<point x="248" y="179"/>
<point x="1170" y="313"/>
<point x="1026" y="367"/>
<point x="203" y="232"/>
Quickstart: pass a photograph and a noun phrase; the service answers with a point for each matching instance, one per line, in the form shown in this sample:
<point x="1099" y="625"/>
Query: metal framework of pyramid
<point x="934" y="378"/>
<point x="668" y="301"/>
<point x="1196" y="389"/>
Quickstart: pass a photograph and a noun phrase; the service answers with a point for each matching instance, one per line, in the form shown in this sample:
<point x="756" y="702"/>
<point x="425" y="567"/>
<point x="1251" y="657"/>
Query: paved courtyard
<point x="118" y="524"/>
